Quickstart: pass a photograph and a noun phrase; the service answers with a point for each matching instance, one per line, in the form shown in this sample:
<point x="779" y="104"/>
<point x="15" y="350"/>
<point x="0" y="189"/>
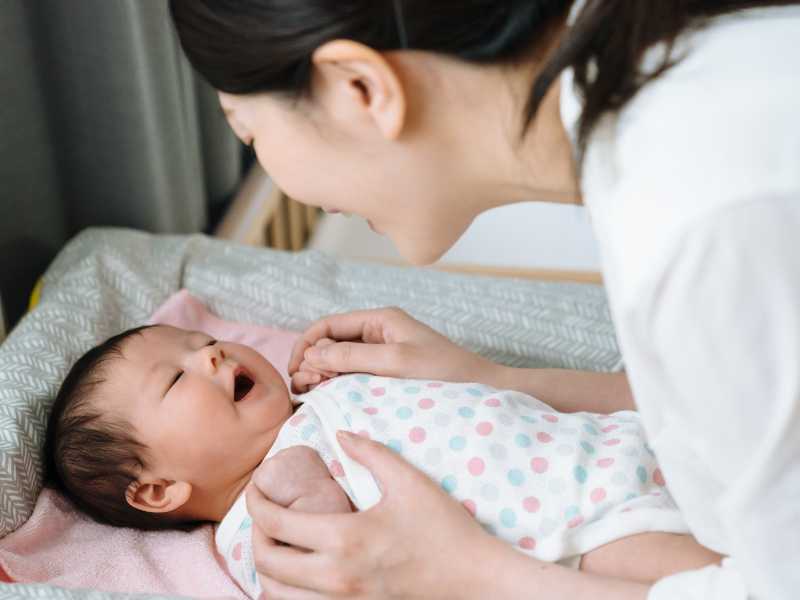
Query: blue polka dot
<point x="515" y="477"/>
<point x="572" y="511"/>
<point x="348" y="418"/>
<point x="449" y="484"/>
<point x="508" y="518"/>
<point x="411" y="390"/>
<point x="630" y="496"/>
<point x="523" y="440"/>
<point x="528" y="418"/>
<point x="589" y="429"/>
<point x="641" y="473"/>
<point x="403" y="412"/>
<point x="458" y="443"/>
<point x="588" y="447"/>
<point x="474" y="392"/>
<point x="308" y="431"/>
<point x="466" y="412"/>
<point x="246" y="523"/>
<point x="363" y="378"/>
<point x="355" y="396"/>
<point x="580" y="474"/>
<point x="395" y="445"/>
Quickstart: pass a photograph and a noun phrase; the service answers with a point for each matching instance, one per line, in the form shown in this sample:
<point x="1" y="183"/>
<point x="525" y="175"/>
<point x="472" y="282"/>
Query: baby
<point x="161" y="427"/>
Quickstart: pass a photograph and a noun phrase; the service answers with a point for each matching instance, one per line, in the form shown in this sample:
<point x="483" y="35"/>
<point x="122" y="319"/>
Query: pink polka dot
<point x="296" y="420"/>
<point x="550" y="418"/>
<point x="336" y="468"/>
<point x="539" y="464"/>
<point x="575" y="522"/>
<point x="470" y="506"/>
<point x="484" y="428"/>
<point x="658" y="477"/>
<point x="237" y="551"/>
<point x="527" y="543"/>
<point x="492" y="402"/>
<point x="364" y="433"/>
<point x="604" y="463"/>
<point x="371" y="410"/>
<point x="435" y="384"/>
<point x="609" y="428"/>
<point x="425" y="403"/>
<point x="475" y="466"/>
<point x="379" y="391"/>
<point x="544" y="437"/>
<point x="417" y="435"/>
<point x="611" y="442"/>
<point x="531" y="504"/>
<point x="626" y="510"/>
<point x="598" y="495"/>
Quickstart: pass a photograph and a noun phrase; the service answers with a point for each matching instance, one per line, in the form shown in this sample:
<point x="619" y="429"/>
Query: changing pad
<point x="107" y="280"/>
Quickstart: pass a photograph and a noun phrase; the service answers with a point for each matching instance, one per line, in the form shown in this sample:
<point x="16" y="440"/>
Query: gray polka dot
<point x="489" y="492"/>
<point x="565" y="450"/>
<point x="498" y="451"/>
<point x="557" y="485"/>
<point x="547" y="527"/>
<point x="433" y="456"/>
<point x="506" y="419"/>
<point x="442" y="419"/>
<point x="619" y="478"/>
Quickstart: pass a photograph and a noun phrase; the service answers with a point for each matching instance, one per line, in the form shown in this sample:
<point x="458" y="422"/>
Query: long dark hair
<point x="246" y="46"/>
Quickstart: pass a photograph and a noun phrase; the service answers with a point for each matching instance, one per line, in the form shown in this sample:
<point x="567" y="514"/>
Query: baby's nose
<point x="214" y="356"/>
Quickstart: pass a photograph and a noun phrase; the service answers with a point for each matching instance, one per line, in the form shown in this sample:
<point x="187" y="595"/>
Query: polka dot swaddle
<point x="553" y="485"/>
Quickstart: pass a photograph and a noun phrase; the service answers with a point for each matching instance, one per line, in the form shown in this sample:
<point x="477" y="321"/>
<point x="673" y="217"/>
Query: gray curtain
<point x="102" y="122"/>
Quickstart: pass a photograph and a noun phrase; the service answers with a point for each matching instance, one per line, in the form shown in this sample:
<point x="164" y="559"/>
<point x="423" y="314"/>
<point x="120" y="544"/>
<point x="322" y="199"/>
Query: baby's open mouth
<point x="242" y="384"/>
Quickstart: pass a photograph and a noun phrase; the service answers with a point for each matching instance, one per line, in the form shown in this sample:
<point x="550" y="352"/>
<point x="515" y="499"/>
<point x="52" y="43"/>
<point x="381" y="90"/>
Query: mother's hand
<point x="417" y="542"/>
<point x="384" y="341"/>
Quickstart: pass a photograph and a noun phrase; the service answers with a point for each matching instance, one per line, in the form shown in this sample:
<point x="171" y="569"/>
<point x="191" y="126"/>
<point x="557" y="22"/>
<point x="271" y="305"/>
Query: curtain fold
<point x="102" y="122"/>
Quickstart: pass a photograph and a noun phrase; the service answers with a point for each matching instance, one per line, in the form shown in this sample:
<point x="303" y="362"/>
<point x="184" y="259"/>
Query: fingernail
<point x="313" y="354"/>
<point x="345" y="435"/>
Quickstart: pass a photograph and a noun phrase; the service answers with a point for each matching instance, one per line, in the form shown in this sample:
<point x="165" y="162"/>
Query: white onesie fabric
<point x="553" y="485"/>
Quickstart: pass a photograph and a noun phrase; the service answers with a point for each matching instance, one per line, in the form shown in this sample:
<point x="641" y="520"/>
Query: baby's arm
<point x="297" y="478"/>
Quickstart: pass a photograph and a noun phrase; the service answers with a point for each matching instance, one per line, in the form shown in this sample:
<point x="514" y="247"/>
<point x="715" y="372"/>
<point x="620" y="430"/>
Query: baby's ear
<point x="158" y="495"/>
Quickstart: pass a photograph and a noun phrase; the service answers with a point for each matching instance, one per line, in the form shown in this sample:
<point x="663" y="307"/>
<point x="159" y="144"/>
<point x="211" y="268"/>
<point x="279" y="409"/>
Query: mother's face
<point x="359" y="145"/>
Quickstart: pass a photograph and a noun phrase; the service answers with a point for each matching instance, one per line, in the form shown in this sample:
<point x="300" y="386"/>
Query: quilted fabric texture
<point x="106" y="280"/>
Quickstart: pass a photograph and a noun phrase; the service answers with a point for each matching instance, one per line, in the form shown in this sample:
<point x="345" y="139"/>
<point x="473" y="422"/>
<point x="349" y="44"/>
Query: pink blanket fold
<point x="62" y="547"/>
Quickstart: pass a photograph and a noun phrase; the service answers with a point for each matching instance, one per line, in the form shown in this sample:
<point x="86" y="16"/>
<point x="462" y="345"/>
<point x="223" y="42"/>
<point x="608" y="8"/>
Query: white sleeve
<point x="724" y="323"/>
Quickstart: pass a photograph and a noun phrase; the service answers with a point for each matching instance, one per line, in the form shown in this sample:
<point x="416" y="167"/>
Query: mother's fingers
<point x="275" y="590"/>
<point x="362" y="325"/>
<point x="307" y="530"/>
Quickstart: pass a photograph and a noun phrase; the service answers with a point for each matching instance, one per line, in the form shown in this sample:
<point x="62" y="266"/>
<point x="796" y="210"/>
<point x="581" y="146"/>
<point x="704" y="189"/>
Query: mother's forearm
<point x="566" y="390"/>
<point x="511" y="575"/>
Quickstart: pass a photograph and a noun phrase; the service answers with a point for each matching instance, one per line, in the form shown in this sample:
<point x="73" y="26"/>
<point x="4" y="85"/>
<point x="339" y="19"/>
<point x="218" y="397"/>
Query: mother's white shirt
<point x="694" y="195"/>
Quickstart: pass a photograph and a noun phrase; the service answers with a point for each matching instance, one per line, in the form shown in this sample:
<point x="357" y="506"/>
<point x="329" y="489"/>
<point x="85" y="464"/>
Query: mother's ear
<point x="359" y="79"/>
<point x="158" y="495"/>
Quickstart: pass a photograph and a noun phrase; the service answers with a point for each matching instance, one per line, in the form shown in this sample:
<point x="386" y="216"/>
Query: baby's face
<point x="208" y="411"/>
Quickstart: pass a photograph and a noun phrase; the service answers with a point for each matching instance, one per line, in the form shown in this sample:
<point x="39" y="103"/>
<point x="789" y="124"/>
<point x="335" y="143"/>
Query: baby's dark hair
<point x="91" y="456"/>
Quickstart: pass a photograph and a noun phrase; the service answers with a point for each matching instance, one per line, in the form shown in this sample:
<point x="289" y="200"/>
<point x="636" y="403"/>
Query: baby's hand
<point x="297" y="478"/>
<point x="308" y="377"/>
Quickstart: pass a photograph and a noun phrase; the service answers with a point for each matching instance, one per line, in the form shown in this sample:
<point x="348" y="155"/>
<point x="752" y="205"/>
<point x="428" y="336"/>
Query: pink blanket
<point x="60" y="546"/>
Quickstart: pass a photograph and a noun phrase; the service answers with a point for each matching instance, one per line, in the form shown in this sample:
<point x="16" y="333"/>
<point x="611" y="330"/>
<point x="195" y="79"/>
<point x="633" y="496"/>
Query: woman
<point x="674" y="123"/>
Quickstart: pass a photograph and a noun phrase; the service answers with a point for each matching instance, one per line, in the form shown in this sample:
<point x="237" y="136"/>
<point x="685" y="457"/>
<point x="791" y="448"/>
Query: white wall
<point x="526" y="235"/>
